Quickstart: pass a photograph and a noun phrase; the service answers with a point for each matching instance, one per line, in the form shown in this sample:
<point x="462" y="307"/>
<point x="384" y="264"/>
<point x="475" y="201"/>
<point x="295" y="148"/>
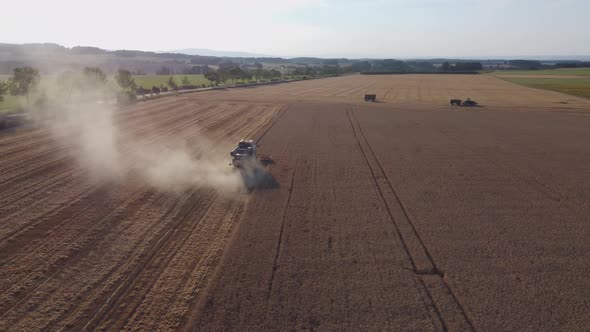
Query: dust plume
<point x="175" y="168"/>
<point x="82" y="116"/>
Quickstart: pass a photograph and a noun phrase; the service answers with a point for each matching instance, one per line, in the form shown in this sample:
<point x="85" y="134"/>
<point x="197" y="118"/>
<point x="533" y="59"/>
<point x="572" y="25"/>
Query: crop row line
<point x="433" y="271"/>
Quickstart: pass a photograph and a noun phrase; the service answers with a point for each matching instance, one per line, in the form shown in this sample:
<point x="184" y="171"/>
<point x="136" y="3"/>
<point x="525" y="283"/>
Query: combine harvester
<point x="245" y="154"/>
<point x="467" y="103"/>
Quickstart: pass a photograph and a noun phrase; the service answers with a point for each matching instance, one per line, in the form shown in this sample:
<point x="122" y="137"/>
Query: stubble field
<point x="405" y="214"/>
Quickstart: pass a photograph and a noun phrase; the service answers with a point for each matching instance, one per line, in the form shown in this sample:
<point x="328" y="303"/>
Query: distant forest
<point x="52" y="59"/>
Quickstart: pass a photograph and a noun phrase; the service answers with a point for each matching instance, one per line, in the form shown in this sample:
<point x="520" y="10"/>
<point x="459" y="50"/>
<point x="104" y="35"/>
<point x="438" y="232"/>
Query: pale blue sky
<point x="329" y="28"/>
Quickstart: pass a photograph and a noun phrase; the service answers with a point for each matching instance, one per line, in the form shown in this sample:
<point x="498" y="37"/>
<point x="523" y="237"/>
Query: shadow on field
<point x="466" y="108"/>
<point x="12" y="122"/>
<point x="258" y="178"/>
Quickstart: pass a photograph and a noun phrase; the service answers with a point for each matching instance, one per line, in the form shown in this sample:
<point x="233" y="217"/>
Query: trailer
<point x="370" y="97"/>
<point x="467" y="103"/>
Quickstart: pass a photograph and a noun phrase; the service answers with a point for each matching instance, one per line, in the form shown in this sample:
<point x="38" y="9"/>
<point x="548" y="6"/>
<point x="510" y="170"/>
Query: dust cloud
<point x="175" y="168"/>
<point x="82" y="116"/>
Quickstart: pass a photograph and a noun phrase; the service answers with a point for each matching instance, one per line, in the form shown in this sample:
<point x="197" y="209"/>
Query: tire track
<point x="272" y="121"/>
<point x="7" y="140"/>
<point x="93" y="234"/>
<point x="169" y="290"/>
<point x="25" y="148"/>
<point x="210" y="263"/>
<point x="423" y="265"/>
<point x="87" y="300"/>
<point x="99" y="294"/>
<point x="114" y="300"/>
<point x="10" y="230"/>
<point x="281" y="231"/>
<point x="50" y="291"/>
<point x="35" y="170"/>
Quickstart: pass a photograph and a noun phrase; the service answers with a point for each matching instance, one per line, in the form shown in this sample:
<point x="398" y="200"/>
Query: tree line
<point x="414" y="66"/>
<point x="20" y="83"/>
<point x="24" y="80"/>
<point x="229" y="72"/>
<point x="536" y="65"/>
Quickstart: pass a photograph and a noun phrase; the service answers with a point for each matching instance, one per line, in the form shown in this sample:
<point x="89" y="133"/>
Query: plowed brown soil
<point x="407" y="214"/>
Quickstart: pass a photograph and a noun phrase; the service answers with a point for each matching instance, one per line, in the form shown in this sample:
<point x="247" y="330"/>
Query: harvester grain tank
<point x="246" y="153"/>
<point x="469" y="103"/>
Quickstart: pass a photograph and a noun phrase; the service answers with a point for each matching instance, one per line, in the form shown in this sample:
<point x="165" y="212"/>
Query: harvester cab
<point x="245" y="151"/>
<point x="469" y="103"/>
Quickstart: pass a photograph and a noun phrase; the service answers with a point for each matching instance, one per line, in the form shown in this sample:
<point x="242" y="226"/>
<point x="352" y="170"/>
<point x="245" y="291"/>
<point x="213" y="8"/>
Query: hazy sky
<point x="330" y="28"/>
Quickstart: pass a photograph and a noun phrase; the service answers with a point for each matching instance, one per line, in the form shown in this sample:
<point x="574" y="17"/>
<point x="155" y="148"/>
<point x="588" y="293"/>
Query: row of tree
<point x="235" y="74"/>
<point x="399" y="66"/>
<point x="466" y="66"/>
<point x="193" y="70"/>
<point x="578" y="64"/>
<point x="25" y="79"/>
<point x="20" y="83"/>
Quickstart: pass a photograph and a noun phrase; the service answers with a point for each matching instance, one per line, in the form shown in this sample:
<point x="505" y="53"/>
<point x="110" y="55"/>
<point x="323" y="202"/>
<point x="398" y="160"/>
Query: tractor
<point x="467" y="103"/>
<point x="370" y="97"/>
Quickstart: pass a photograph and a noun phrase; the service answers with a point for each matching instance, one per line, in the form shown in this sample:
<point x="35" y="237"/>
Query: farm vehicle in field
<point x="245" y="154"/>
<point x="467" y="103"/>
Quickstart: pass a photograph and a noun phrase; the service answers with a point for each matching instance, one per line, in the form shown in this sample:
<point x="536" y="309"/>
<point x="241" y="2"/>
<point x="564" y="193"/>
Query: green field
<point x="10" y="104"/>
<point x="557" y="72"/>
<point x="13" y="103"/>
<point x="148" y="81"/>
<point x="572" y="86"/>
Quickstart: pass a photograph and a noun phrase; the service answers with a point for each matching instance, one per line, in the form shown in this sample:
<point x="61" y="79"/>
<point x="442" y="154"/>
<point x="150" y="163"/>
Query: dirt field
<point x="407" y="214"/>
<point x="80" y="253"/>
<point x="411" y="91"/>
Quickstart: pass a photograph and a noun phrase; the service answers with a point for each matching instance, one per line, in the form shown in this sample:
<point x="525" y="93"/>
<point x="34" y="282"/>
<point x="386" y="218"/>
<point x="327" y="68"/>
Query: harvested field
<point x="81" y="253"/>
<point x="408" y="91"/>
<point x="406" y="214"/>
